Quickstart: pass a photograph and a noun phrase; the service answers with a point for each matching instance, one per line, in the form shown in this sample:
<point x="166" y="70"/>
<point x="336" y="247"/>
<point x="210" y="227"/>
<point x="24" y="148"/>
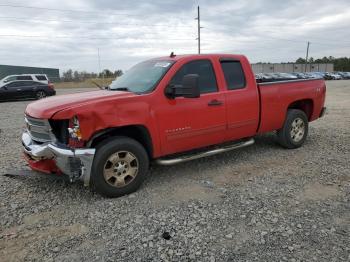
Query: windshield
<point x="9" y="78"/>
<point x="142" y="77"/>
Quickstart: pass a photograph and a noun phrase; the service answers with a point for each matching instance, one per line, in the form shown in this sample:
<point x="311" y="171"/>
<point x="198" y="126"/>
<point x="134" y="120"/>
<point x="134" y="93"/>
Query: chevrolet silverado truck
<point x="166" y="111"/>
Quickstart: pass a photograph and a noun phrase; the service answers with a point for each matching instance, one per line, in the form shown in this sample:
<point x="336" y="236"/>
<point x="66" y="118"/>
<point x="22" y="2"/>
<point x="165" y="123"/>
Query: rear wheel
<point x="120" y="166"/>
<point x="40" y="94"/>
<point x="295" y="129"/>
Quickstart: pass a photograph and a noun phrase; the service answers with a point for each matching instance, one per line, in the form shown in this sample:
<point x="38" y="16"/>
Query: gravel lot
<point x="261" y="203"/>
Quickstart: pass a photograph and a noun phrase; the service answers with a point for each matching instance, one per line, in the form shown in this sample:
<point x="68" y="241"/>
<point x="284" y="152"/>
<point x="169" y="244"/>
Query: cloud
<point x="126" y="32"/>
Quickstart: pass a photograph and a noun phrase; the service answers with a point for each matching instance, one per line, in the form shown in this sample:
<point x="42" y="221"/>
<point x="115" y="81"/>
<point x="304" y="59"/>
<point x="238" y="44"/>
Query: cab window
<point x="205" y="72"/>
<point x="234" y="75"/>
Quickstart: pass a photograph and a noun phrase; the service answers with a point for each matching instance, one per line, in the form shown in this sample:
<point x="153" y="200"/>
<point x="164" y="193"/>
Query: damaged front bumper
<point x="75" y="163"/>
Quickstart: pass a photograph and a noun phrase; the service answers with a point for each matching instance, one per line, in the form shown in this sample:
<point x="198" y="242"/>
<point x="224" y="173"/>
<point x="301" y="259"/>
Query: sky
<point x="89" y="35"/>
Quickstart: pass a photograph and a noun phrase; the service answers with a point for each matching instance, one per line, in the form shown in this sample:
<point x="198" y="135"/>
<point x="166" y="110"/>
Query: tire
<point x="295" y="129"/>
<point x="120" y="166"/>
<point x="40" y="94"/>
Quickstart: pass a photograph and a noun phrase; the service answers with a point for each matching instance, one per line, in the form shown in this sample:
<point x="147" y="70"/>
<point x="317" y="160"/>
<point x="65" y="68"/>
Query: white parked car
<point x="335" y="76"/>
<point x="31" y="77"/>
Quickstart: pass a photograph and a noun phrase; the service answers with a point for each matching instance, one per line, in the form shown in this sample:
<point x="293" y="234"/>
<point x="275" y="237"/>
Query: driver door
<point x="9" y="91"/>
<point x="189" y="123"/>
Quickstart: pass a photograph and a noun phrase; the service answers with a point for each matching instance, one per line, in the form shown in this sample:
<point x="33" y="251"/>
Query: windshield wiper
<point x="121" y="89"/>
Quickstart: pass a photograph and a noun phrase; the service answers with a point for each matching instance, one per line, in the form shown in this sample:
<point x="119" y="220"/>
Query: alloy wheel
<point x="120" y="169"/>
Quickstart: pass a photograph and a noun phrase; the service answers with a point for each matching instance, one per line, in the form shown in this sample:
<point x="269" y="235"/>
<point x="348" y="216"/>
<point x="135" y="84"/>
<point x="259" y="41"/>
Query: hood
<point x="47" y="107"/>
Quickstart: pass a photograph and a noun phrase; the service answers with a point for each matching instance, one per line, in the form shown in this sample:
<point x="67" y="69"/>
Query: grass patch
<point x="88" y="83"/>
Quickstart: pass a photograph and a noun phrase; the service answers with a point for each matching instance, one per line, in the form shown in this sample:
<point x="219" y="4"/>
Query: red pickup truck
<point x="166" y="110"/>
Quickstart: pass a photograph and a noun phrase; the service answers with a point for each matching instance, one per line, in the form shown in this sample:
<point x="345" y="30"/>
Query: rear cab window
<point x="234" y="74"/>
<point x="205" y="71"/>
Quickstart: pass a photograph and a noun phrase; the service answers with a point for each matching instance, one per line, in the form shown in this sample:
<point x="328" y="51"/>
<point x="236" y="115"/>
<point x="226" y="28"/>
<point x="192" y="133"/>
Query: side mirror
<point x="188" y="89"/>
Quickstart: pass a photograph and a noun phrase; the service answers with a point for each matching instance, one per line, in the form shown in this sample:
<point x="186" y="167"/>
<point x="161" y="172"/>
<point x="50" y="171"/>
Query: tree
<point x="68" y="75"/>
<point x="118" y="73"/>
<point x="106" y="73"/>
<point x="340" y="64"/>
<point x="76" y="76"/>
<point x="300" y="61"/>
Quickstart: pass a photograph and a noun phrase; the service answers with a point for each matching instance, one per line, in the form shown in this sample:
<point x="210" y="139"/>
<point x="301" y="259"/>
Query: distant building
<point x="52" y="73"/>
<point x="290" y="67"/>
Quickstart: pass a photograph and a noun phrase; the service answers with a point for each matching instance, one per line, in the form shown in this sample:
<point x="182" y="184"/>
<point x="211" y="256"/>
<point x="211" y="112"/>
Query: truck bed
<point x="277" y="97"/>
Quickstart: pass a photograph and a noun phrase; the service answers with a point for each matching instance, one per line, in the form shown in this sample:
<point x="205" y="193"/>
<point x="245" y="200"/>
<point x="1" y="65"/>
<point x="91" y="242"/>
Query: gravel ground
<point x="260" y="203"/>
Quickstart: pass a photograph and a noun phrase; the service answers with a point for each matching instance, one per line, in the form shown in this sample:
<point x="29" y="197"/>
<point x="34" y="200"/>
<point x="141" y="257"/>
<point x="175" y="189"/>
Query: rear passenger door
<point x="242" y="99"/>
<point x="28" y="88"/>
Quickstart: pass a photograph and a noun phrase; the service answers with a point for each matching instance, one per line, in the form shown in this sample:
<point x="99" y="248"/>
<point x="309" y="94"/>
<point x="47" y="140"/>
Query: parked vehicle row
<point x="14" y="87"/>
<point x="272" y="77"/>
<point x="42" y="78"/>
<point x="25" y="89"/>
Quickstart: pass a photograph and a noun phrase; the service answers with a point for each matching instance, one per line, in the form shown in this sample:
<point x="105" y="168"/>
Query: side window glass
<point x="13" y="84"/>
<point x="41" y="77"/>
<point x="24" y="78"/>
<point x="234" y="75"/>
<point x="205" y="71"/>
<point x="9" y="79"/>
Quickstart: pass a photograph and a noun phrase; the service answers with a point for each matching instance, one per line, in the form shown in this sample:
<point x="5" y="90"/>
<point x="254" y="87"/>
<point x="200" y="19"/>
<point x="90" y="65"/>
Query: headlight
<point x="74" y="129"/>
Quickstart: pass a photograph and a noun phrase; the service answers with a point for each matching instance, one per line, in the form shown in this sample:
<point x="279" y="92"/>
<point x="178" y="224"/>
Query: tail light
<point x="51" y="86"/>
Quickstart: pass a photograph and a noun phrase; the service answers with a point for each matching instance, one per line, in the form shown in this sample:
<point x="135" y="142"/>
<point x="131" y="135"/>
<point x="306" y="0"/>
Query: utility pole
<point x="199" y="30"/>
<point x="99" y="66"/>
<point x="307" y="54"/>
<point x="99" y="60"/>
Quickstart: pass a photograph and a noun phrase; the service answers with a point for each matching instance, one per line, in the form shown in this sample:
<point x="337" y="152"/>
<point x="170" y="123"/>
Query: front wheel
<point x="295" y="129"/>
<point x="120" y="166"/>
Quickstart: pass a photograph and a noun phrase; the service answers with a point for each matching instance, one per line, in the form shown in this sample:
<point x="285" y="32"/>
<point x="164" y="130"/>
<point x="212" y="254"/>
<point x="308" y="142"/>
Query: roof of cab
<point x="178" y="57"/>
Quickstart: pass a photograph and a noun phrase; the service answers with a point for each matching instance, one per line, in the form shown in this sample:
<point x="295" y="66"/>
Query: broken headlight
<point x="74" y="129"/>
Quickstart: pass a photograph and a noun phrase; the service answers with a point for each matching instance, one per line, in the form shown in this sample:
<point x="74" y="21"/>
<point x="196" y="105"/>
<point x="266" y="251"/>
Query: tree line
<point x="340" y="64"/>
<point x="76" y="76"/>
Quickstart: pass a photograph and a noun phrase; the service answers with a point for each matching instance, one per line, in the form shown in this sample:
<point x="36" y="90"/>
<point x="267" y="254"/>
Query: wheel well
<point x="306" y="105"/>
<point x="137" y="132"/>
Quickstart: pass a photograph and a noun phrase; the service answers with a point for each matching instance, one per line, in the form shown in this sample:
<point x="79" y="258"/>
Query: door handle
<point x="215" y="103"/>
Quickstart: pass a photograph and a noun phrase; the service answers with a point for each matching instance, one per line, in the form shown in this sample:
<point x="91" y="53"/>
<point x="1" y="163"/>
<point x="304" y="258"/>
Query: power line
<point x="90" y="22"/>
<point x="62" y="10"/>
<point x="254" y="48"/>
<point x="101" y="12"/>
<point x="267" y="38"/>
<point x="89" y="37"/>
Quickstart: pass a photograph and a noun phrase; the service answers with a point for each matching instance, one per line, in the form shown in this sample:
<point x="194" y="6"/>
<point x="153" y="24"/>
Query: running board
<point x="173" y="161"/>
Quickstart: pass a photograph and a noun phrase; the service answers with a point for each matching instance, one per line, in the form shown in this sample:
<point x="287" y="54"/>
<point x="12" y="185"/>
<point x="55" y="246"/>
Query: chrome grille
<point x="39" y="129"/>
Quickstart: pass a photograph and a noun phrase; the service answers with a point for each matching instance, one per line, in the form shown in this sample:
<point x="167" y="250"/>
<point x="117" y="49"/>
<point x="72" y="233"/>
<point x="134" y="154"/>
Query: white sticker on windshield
<point x="162" y="64"/>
